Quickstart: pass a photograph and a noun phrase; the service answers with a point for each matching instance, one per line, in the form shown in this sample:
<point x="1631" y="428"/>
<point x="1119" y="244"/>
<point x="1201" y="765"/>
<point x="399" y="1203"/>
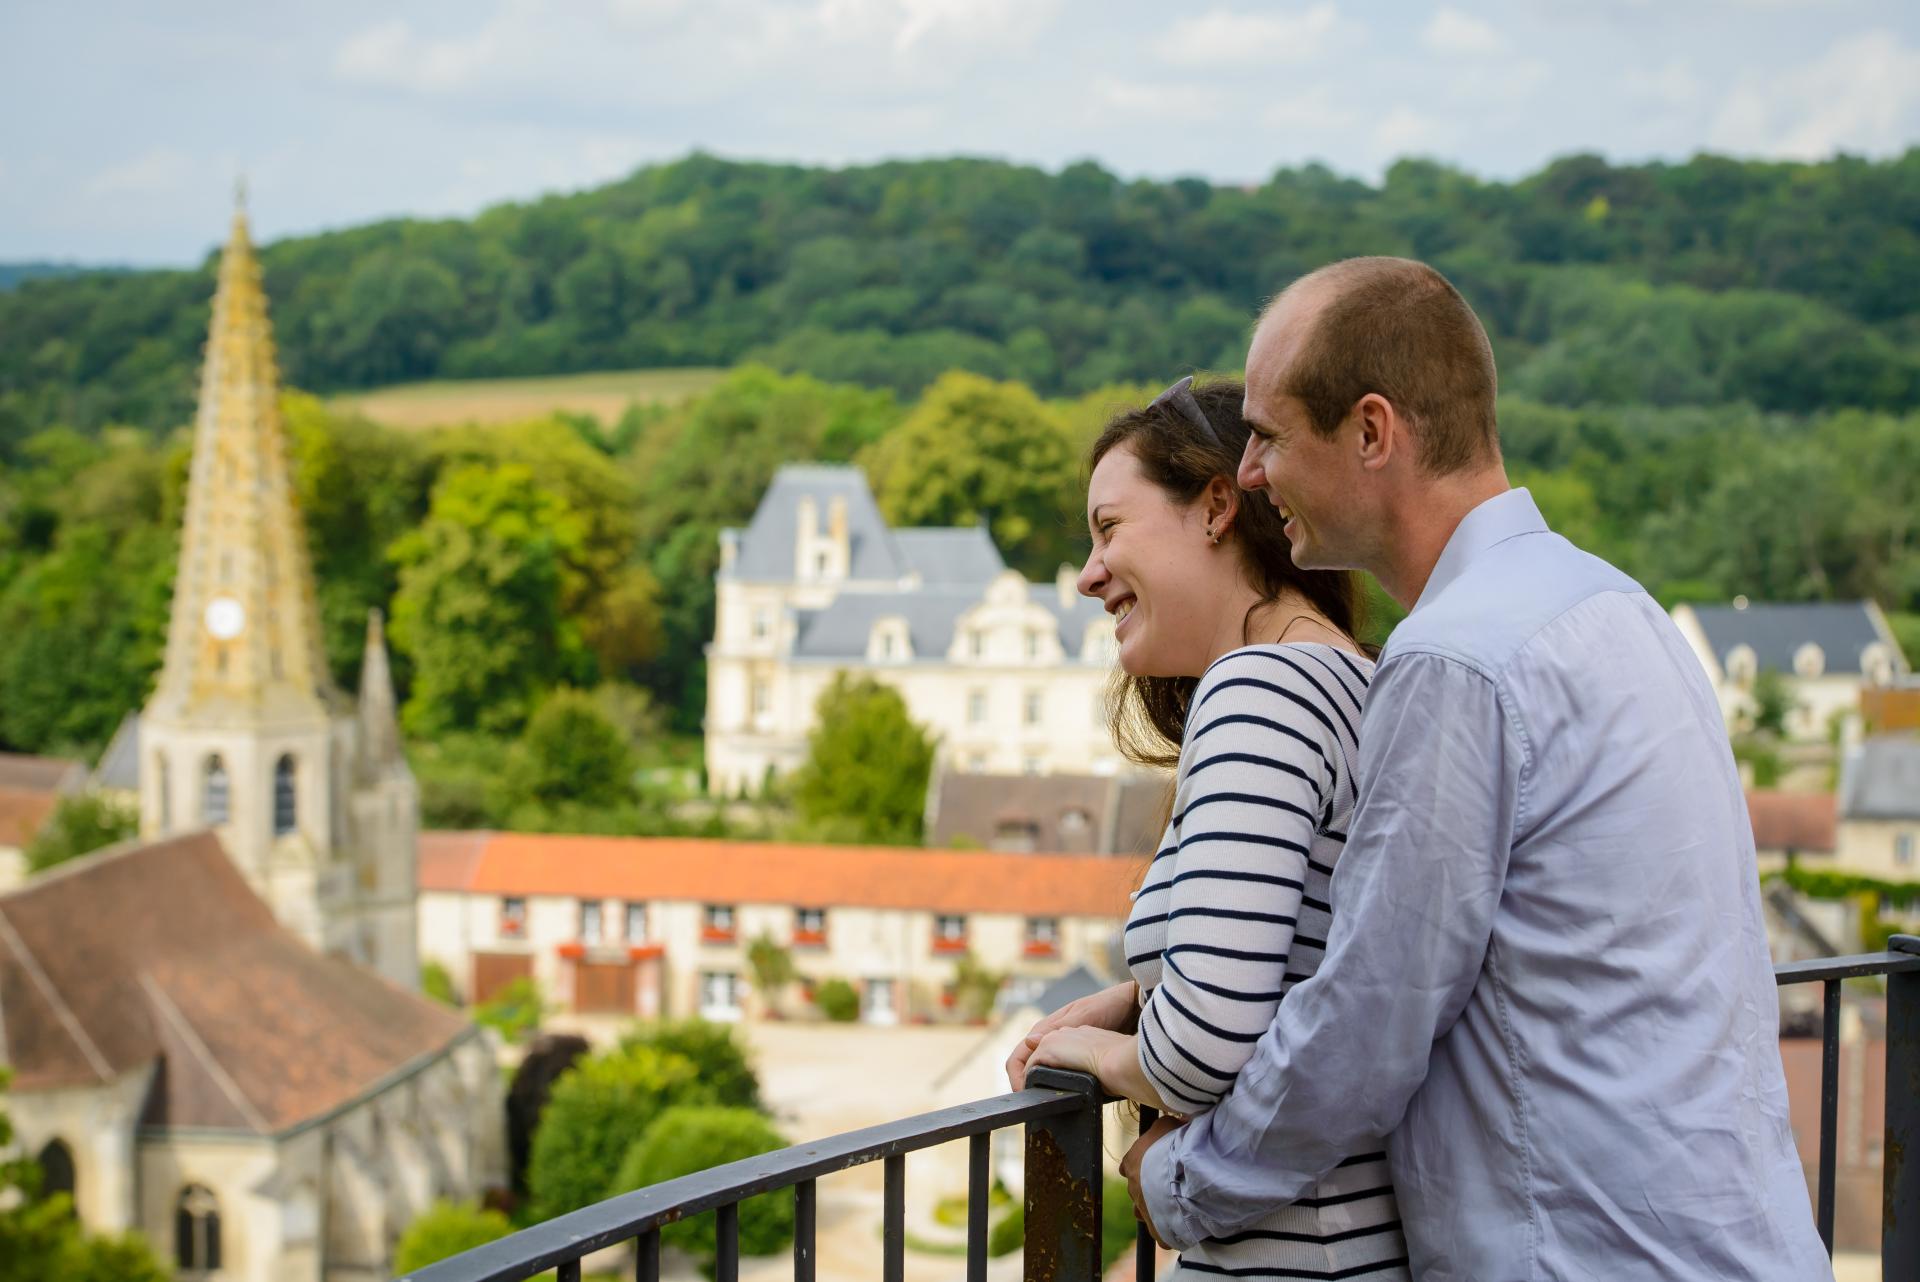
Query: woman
<point x="1241" y="671"/>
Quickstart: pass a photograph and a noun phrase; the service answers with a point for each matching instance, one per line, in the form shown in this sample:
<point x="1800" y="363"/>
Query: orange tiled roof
<point x="1800" y="821"/>
<point x="160" y="953"/>
<point x="739" y="872"/>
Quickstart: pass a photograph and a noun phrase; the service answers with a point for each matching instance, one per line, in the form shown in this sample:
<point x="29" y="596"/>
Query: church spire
<point x="379" y="726"/>
<point x="244" y="641"/>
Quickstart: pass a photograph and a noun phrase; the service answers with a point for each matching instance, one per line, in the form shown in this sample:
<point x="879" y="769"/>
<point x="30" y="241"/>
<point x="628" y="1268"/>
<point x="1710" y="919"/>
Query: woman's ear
<point x="1220" y="504"/>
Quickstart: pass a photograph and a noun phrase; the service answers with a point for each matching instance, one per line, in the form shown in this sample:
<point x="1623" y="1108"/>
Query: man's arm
<point x="1414" y="897"/>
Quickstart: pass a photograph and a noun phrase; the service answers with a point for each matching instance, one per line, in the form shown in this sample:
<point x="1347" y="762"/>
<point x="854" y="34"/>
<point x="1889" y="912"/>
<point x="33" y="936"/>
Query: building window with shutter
<point x="214" y="796"/>
<point x="949" y="933"/>
<point x="1043" y="936"/>
<point x="285" y="810"/>
<point x="513" y="918"/>
<point x="717" y="927"/>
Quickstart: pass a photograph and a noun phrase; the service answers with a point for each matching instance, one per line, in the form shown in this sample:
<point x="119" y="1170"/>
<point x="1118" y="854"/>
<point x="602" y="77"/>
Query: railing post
<point x="1064" y="1179"/>
<point x="1900" y="1204"/>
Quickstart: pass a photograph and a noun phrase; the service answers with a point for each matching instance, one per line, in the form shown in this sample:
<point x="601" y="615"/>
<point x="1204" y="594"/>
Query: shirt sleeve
<point x="1414" y="896"/>
<point x="1259" y="766"/>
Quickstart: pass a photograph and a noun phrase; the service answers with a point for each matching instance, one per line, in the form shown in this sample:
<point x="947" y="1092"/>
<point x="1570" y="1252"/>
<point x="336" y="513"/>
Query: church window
<point x="213" y="806"/>
<point x="284" y="812"/>
<point x="56" y="1169"/>
<point x="196" y="1230"/>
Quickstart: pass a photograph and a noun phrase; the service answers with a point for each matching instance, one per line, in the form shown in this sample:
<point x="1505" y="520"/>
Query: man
<point x="1547" y="983"/>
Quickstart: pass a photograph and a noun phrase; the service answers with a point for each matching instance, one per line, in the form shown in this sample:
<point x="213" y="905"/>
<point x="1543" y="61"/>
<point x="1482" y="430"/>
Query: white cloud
<point x="1862" y="95"/>
<point x="157" y="171"/>
<point x="1406" y="132"/>
<point x="1454" y="32"/>
<point x="1673" y="84"/>
<point x="1223" y="37"/>
<point x="1182" y="103"/>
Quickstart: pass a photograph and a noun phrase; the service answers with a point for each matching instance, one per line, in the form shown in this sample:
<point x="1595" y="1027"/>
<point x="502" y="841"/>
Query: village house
<point x="1880" y="809"/>
<point x="1009" y="675"/>
<point x="30" y="791"/>
<point x="660" y="927"/>
<point x="1827" y="652"/>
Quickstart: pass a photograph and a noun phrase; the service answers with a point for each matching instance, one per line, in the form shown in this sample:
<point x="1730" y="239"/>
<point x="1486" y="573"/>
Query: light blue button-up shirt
<point x="1547" y="982"/>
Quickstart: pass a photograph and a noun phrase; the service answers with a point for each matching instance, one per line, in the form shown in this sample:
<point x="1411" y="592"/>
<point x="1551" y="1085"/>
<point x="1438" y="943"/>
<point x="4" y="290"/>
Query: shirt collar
<point x="1495" y="520"/>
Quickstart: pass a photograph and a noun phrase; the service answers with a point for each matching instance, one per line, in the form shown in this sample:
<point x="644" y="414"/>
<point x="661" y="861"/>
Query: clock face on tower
<point x="225" y="618"/>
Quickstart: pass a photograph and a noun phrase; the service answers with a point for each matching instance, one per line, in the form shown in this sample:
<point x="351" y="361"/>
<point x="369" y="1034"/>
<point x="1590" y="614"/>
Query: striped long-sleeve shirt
<point x="1234" y="911"/>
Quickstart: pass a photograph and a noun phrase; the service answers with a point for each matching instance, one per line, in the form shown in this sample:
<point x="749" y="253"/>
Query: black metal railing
<point x="1062" y="1115"/>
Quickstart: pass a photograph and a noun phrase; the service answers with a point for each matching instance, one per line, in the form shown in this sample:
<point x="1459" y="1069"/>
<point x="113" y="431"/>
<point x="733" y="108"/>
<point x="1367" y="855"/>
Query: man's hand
<point x="1130" y="1167"/>
<point x="1116" y="1008"/>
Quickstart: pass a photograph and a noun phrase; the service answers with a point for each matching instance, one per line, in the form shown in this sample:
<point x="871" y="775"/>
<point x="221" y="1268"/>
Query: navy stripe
<point x="1302" y="1275"/>
<point x="1221" y="874"/>
<point x="1148" y="1014"/>
<point x="1251" y="838"/>
<point x="1253" y="759"/>
<point x="1236" y="994"/>
<point x="1268" y="723"/>
<point x="1224" y="1034"/>
<point x="1245" y="798"/>
<point x="1213" y="950"/>
<point x="1279" y="1235"/>
<point x="1234" y="914"/>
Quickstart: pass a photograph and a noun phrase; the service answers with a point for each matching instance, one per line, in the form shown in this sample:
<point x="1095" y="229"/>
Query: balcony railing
<point x="1062" y="1116"/>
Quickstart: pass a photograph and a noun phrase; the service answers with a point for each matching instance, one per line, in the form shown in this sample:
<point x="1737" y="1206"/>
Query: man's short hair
<point x="1399" y="328"/>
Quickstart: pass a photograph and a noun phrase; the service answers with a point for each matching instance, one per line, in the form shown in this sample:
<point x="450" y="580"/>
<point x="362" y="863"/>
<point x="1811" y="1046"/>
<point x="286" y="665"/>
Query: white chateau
<point x="1009" y="675"/>
<point x="213" y="1028"/>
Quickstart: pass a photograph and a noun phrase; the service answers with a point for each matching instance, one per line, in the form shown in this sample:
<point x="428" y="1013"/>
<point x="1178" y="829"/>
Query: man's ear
<point x="1380" y="431"/>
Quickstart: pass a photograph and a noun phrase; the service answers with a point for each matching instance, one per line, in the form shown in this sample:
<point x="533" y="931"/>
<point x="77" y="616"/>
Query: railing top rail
<point x="623" y="1218"/>
<point x="1903" y="955"/>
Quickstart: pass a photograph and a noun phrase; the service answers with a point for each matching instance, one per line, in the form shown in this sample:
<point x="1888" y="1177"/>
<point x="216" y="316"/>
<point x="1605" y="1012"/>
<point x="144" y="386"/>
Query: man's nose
<point x="1250" y="475"/>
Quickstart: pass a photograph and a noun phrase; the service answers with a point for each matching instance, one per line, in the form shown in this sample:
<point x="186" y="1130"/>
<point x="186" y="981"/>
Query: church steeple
<point x="244" y="642"/>
<point x="379" y="724"/>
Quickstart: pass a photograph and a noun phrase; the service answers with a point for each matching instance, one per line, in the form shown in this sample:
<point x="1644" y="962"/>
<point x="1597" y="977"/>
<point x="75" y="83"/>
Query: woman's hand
<point x="1116" y="1008"/>
<point x="1108" y="1057"/>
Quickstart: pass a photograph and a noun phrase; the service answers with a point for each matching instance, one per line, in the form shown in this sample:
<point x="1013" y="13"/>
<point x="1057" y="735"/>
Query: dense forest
<point x="1794" y="287"/>
<point x="1709" y="377"/>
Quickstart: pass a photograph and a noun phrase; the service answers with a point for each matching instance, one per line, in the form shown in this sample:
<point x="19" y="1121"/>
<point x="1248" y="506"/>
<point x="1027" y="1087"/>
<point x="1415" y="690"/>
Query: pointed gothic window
<point x="196" y="1230"/>
<point x="213" y="806"/>
<point x="56" y="1169"/>
<point x="284" y="812"/>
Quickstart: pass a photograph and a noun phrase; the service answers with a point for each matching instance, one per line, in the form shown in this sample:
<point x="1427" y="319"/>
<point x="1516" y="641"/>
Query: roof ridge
<point x="50" y="993"/>
<point x="92" y="859"/>
<point x="173" y="1015"/>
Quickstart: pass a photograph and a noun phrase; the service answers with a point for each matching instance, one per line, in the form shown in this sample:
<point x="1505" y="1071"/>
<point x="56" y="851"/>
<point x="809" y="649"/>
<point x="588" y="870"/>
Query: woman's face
<point x="1155" y="569"/>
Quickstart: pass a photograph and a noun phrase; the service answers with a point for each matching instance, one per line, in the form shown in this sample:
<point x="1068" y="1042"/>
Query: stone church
<point x="214" y="1029"/>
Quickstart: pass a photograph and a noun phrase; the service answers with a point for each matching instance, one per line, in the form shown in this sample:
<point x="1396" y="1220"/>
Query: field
<point x="505" y="400"/>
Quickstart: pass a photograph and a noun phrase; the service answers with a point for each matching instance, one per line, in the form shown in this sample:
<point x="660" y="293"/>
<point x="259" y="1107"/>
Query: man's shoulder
<point x="1504" y="599"/>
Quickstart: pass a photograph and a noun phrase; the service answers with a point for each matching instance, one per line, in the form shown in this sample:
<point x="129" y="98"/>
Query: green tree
<point x="516" y="1011"/>
<point x="977" y="451"/>
<point x="865" y="777"/>
<point x="437" y="983"/>
<point x="975" y="987"/>
<point x="569" y="754"/>
<point x="479" y="605"/>
<point x="1773" y="703"/>
<point x="685" y="1140"/>
<point x="772" y="967"/>
<point x="444" y="1230"/>
<point x="80" y="823"/>
<point x="836" y="999"/>
<point x="596" y="1110"/>
<point x="726" y="1070"/>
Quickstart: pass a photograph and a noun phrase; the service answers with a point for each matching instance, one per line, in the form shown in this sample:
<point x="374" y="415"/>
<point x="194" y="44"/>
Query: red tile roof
<point x="1798" y="821"/>
<point x="22" y="813"/>
<point x="161" y="954"/>
<point x="738" y="872"/>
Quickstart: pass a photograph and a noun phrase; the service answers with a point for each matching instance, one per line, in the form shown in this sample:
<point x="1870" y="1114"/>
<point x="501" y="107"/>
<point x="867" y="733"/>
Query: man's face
<point x="1315" y="481"/>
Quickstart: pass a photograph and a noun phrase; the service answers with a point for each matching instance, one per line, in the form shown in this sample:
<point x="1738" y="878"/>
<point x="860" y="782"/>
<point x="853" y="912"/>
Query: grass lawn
<point x="506" y="400"/>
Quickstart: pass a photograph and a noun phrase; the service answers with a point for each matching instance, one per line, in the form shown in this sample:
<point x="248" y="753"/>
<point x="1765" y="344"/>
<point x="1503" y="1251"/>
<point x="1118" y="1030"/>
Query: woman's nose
<point x="1093" y="576"/>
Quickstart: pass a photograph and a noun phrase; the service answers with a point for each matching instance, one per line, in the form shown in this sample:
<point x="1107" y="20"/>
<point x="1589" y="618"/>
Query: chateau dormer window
<point x="1809" y="661"/>
<point x="1742" y="665"/>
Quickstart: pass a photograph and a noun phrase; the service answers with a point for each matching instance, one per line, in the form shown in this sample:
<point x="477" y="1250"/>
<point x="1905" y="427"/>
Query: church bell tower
<point x="246" y="732"/>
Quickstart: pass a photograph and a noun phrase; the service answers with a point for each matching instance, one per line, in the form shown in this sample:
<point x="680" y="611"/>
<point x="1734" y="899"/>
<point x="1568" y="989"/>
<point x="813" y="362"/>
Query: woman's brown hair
<point x="1149" y="714"/>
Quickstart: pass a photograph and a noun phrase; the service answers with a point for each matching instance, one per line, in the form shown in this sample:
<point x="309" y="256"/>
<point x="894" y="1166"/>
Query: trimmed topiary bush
<point x="722" y="1060"/>
<point x="445" y="1229"/>
<point x="684" y="1140"/>
<point x="597" y="1109"/>
<point x="837" y="1000"/>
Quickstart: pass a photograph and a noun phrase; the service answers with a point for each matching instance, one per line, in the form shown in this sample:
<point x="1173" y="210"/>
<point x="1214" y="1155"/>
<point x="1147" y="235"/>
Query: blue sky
<point x="123" y="125"/>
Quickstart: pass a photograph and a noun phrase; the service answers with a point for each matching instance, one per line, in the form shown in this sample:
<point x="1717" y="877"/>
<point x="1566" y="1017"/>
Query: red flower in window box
<point x="646" y="952"/>
<point x="809" y="939"/>
<point x="716" y="935"/>
<point x="946" y="945"/>
<point x="573" y="951"/>
<point x="1041" y="948"/>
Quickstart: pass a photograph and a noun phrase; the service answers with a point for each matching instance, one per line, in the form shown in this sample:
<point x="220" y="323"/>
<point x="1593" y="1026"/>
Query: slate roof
<point x="940" y="555"/>
<point x="160" y="954"/>
<point x="119" y="766"/>
<point x="1070" y="987"/>
<point x="1798" y="821"/>
<point x="1120" y="809"/>
<point x="744" y="872"/>
<point x="1883" y="779"/>
<point x="1842" y="630"/>
<point x="840" y="631"/>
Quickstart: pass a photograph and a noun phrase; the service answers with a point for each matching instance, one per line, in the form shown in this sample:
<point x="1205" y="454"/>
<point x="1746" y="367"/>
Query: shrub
<point x="837" y="1000"/>
<point x="436" y="983"/>
<point x="725" y="1070"/>
<point x="684" y="1140"/>
<point x="445" y="1229"/>
<point x="515" y="1011"/>
<point x="79" y="824"/>
<point x="596" y="1110"/>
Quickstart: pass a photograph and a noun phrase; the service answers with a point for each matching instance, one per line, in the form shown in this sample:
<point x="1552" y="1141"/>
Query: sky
<point x="124" y="123"/>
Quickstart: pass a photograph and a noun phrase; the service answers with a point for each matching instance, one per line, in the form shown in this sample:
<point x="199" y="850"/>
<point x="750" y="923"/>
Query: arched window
<point x="284" y="810"/>
<point x="213" y="805"/>
<point x="196" y="1230"/>
<point x="56" y="1169"/>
